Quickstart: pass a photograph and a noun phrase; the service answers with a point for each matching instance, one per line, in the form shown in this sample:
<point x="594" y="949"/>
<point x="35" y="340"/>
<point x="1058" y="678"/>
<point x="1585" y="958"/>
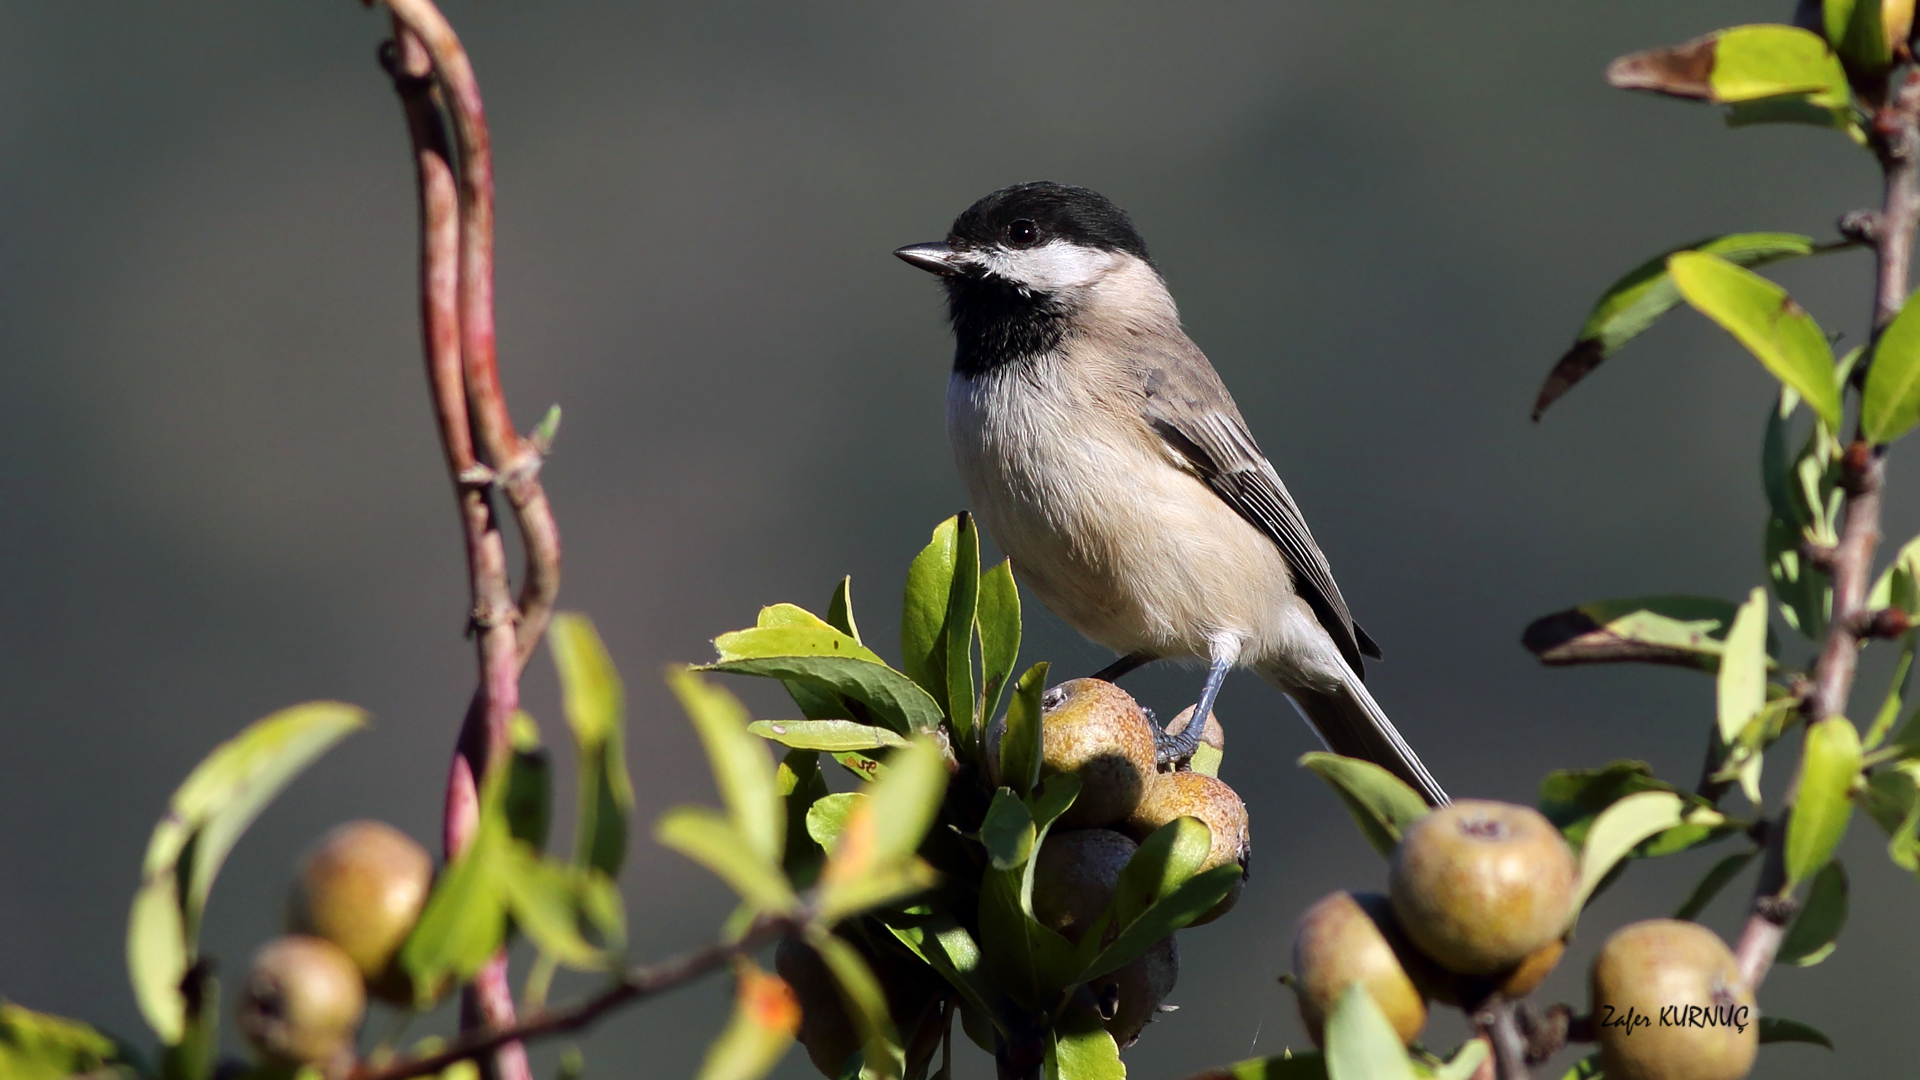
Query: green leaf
<point x="937" y="938"/>
<point x="1635" y="302"/>
<point x="1007" y="831"/>
<point x="595" y="704"/>
<point x="831" y="735"/>
<point x="1716" y="879"/>
<point x="1174" y="910"/>
<point x="740" y="763"/>
<point x="1890" y="405"/>
<point x="906" y="800"/>
<point x="828" y="816"/>
<point x="1167" y="859"/>
<point x="923" y="616"/>
<point x="1762" y="317"/>
<point x="529" y="794"/>
<point x="546" y="900"/>
<point x="1308" y="1065"/>
<point x="1742" y="681"/>
<point x="1683" y="631"/>
<point x="207" y="815"/>
<point x="1079" y="1047"/>
<point x="711" y="839"/>
<point x="1892" y="798"/>
<point x="1380" y="802"/>
<point x="1857" y="33"/>
<point x="840" y="609"/>
<point x="1815" y="929"/>
<point x="1764" y="60"/>
<point x="1031" y="963"/>
<point x="999" y="622"/>
<point x="37" y="1046"/>
<point x="871" y="860"/>
<point x="1361" y="1043"/>
<point x="465" y="920"/>
<point x="962" y="607"/>
<point x="1020" y="746"/>
<point x="766" y="1015"/>
<point x="1618" y="829"/>
<point x="1588" y="1068"/>
<point x="1779" y="1029"/>
<point x="824" y="659"/>
<point x="1572" y="798"/>
<point x="1805" y="593"/>
<point x="1052" y="797"/>
<point x="866" y="1003"/>
<point x="1466" y="1061"/>
<point x="1828" y="767"/>
<point x="800" y="783"/>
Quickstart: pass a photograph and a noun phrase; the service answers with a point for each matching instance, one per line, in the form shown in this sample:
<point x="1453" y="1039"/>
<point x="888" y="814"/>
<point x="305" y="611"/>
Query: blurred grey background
<point x="1383" y="221"/>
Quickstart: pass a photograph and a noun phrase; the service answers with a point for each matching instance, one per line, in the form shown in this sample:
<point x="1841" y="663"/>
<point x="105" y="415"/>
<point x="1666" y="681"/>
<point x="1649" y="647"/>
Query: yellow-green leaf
<point x="1829" y="765"/>
<point x="1762" y="317"/>
<point x="1890" y="405"/>
<point x="595" y="703"/>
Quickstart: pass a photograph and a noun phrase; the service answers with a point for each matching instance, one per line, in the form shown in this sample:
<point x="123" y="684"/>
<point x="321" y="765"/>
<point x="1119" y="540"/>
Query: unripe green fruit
<point x="1129" y="999"/>
<point x="1480" y="886"/>
<point x="1075" y="874"/>
<point x="1096" y="731"/>
<point x="1191" y="794"/>
<point x="302" y="1002"/>
<point x="1344" y="939"/>
<point x="362" y="888"/>
<point x="1663" y="964"/>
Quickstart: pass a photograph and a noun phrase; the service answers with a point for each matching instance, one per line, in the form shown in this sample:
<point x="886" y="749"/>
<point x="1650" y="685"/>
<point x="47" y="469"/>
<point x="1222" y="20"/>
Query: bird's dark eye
<point x="1022" y="233"/>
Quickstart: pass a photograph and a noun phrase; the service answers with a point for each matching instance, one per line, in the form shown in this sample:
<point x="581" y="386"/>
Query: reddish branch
<point x="637" y="984"/>
<point x="1896" y="138"/>
<point x="436" y="85"/>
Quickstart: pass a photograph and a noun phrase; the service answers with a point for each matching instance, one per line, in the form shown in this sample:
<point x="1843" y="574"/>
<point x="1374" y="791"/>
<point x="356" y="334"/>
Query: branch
<point x="637" y="984"/>
<point x="1896" y="133"/>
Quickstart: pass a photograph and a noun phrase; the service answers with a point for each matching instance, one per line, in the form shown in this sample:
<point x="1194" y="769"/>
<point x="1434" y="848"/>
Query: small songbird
<point x="1105" y="456"/>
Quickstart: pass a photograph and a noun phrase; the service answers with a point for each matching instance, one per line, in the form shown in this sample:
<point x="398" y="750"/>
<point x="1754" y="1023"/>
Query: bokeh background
<point x="1383" y="222"/>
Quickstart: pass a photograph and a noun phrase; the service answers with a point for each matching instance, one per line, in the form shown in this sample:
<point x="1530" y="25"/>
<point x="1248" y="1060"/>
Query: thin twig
<point x="639" y="983"/>
<point x="1896" y="134"/>
<point x="1496" y="1020"/>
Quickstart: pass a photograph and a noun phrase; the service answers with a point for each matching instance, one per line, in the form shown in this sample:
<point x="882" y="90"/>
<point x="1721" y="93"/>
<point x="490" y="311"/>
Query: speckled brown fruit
<point x="1213" y="736"/>
<point x="827" y="1032"/>
<point x="1652" y="982"/>
<point x="1531" y="972"/>
<point x="1479" y="886"/>
<point x="1074" y="877"/>
<point x="362" y="887"/>
<point x="1096" y="731"/>
<point x="1346" y="938"/>
<point x="302" y="1001"/>
<point x="1130" y="998"/>
<point x="1192" y="794"/>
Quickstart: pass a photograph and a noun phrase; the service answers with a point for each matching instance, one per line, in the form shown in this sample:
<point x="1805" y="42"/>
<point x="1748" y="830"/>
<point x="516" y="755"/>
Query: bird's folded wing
<point x="1198" y="420"/>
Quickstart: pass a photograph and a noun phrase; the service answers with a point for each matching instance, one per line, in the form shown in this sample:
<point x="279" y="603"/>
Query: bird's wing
<point x="1189" y="408"/>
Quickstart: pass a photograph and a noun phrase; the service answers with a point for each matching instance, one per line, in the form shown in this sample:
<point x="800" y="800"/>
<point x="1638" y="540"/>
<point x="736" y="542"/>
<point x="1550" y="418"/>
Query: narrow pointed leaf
<point x="999" y="619"/>
<point x="963" y="603"/>
<point x="1636" y="301"/>
<point x="1828" y="767"/>
<point x="1007" y="831"/>
<point x="465" y="920"/>
<point x="741" y="766"/>
<point x="1779" y="1029"/>
<point x="1742" y="683"/>
<point x="1891" y="404"/>
<point x="1683" y="631"/>
<point x="1381" y="803"/>
<point x="1762" y="317"/>
<point x="766" y="1017"/>
<point x="1361" y="1043"/>
<point x="594" y="701"/>
<point x="1816" y="926"/>
<point x="830" y="735"/>
<point x="1716" y="879"/>
<point x="710" y="839"/>
<point x="866" y="1003"/>
<point x="1174" y="911"/>
<point x="1079" y="1048"/>
<point x="840" y="609"/>
<point x="1020" y="744"/>
<point x="827" y="660"/>
<point x="801" y="784"/>
<point x="38" y="1046"/>
<point x="923" y="616"/>
<point x="545" y="899"/>
<point x="1618" y="830"/>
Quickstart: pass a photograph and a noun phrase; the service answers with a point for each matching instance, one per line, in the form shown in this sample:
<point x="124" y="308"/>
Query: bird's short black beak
<point x="936" y="258"/>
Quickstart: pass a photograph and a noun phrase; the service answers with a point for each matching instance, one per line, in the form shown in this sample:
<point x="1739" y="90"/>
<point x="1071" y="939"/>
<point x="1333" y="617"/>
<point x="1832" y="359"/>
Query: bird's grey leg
<point x="1112" y="672"/>
<point x="1168" y="748"/>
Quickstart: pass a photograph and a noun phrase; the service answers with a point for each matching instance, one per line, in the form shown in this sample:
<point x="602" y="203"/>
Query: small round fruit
<point x="1213" y="735"/>
<point x="1527" y="976"/>
<point x="1191" y="794"/>
<point x="302" y="1002"/>
<point x="1096" y="731"/>
<point x="362" y="888"/>
<point x="1075" y="875"/>
<point x="1344" y="939"/>
<point x="1130" y="998"/>
<point x="1648" y="970"/>
<point x="1479" y="886"/>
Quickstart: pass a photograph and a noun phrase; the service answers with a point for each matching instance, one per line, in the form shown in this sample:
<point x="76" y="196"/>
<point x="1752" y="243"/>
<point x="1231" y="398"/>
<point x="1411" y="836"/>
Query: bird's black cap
<point x="1057" y="211"/>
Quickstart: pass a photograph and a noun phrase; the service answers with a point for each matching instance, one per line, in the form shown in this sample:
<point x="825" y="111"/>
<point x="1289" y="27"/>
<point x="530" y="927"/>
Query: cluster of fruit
<point x="356" y="897"/>
<point x="1096" y="732"/>
<point x="1480" y="901"/>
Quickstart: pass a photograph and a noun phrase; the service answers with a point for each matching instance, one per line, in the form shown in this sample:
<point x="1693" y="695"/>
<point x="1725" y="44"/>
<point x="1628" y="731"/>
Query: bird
<point x="1106" y="458"/>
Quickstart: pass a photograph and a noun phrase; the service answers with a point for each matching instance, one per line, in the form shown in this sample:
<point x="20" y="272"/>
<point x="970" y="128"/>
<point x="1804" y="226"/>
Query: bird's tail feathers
<point x="1350" y="723"/>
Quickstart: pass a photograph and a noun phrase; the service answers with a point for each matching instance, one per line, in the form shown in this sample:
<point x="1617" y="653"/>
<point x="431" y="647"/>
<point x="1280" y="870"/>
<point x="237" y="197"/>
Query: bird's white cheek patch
<point x="1054" y="266"/>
